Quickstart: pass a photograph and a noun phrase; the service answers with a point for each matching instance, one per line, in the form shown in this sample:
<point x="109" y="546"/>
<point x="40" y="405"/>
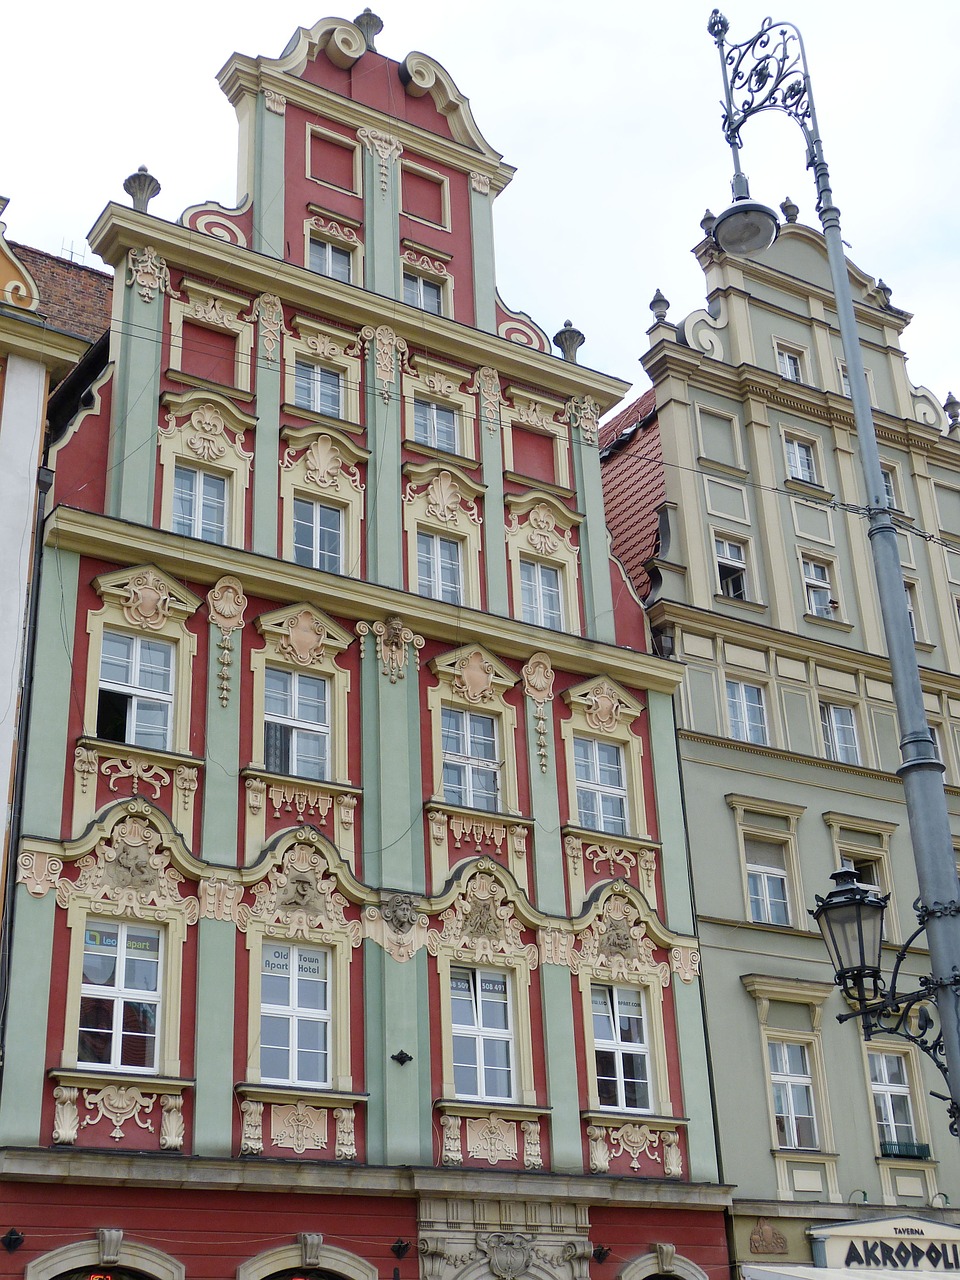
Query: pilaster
<point x="216" y="976"/>
<point x="381" y="213"/>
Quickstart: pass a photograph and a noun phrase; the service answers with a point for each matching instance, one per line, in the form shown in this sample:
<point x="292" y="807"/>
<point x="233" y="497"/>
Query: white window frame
<point x="802" y="462"/>
<point x="838" y="723"/>
<point x="137" y="693"/>
<point x="819" y="590"/>
<point x="195" y="525"/>
<point x="120" y="996"/>
<point x="317" y="374"/>
<point x="760" y="876"/>
<point x="430" y="566"/>
<point x="593" y="786"/>
<point x="620" y="1049"/>
<point x="295" y="725"/>
<point x="535" y="594"/>
<point x="297" y="1018"/>
<point x="790" y="362"/>
<point x="315" y="556"/>
<point x="484" y="1036"/>
<point x="419" y="281"/>
<point x="756" y="729"/>
<point x="468" y="761"/>
<point x="319" y="248"/>
<point x="735" y="565"/>
<point x="786" y="1120"/>
<point x="429" y="432"/>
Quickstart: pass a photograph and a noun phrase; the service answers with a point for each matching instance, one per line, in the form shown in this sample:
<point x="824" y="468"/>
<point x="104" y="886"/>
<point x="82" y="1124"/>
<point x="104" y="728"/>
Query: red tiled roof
<point x="633" y="486"/>
<point x="73" y="298"/>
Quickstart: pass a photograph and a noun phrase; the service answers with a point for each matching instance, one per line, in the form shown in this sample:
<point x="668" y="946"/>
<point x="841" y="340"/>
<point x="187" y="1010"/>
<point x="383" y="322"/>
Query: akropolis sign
<point x="891" y="1244"/>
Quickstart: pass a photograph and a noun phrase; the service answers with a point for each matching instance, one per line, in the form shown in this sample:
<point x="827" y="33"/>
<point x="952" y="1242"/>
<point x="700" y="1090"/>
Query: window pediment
<point x="303" y="636"/>
<point x="474" y="675"/>
<point x="148" y="598"/>
<point x="604" y="704"/>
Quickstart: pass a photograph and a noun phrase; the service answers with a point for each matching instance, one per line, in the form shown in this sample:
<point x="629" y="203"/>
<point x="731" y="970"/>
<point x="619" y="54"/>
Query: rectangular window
<point x="789" y="364"/>
<point x="844" y="379"/>
<point x="136" y="691"/>
<point x="295" y="1015"/>
<point x="435" y="425"/>
<point x="296" y="724"/>
<point x="910" y="591"/>
<point x="889" y="487"/>
<point x="818" y="589"/>
<point x="318" y="535"/>
<point x="767" y="881"/>
<point x="482" y="1035"/>
<point x="731" y="568"/>
<point x="869" y="871"/>
<point x="425" y="294"/>
<point x="330" y="260"/>
<point x="748" y="722"/>
<point x="200" y="504"/>
<point x="601" y="786"/>
<point x="318" y="389"/>
<point x="540" y="594"/>
<point x="890" y="1085"/>
<point x="439" y="568"/>
<point x="801" y="460"/>
<point x="471" y="760"/>
<point x="119" y="996"/>
<point x="794" y="1116"/>
<point x="623" y="1054"/>
<point x="839" y="733"/>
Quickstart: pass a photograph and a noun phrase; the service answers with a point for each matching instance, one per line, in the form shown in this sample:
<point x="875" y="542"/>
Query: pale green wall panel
<point x="695" y="1075"/>
<point x="221" y="778"/>
<point x="268" y="193"/>
<point x="393" y="796"/>
<point x="594" y="551"/>
<point x="133" y="427"/>
<point x="548" y="868"/>
<point x="56" y="624"/>
<point x="266" y="472"/>
<point x="29" y="995"/>
<point x="216" y="975"/>
<point x="666" y="776"/>
<point x="484" y="269"/>
<point x="384" y="523"/>
<point x="381" y="213"/>
<point x="566" y="1146"/>
<point x="494" y="543"/>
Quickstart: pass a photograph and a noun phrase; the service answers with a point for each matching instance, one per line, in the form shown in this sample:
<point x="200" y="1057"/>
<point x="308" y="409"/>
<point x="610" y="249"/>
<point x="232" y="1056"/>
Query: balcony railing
<point x="905" y="1150"/>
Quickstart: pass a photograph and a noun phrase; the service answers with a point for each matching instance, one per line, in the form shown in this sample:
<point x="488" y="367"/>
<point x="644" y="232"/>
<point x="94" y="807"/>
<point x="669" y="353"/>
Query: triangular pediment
<point x="474" y="672"/>
<point x="303" y="633"/>
<point x="147" y="595"/>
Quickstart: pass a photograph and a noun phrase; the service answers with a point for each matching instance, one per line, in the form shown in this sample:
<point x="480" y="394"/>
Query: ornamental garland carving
<point x="386" y="148"/>
<point x="300" y="899"/>
<point x="493" y="1139"/>
<point x="425" y="263"/>
<point x="268" y="309"/>
<point x="543" y="534"/>
<point x="139" y="771"/>
<point x="486" y="385"/>
<point x="324" y="465"/>
<point x="387" y="349"/>
<point x="532" y="414"/>
<point x="213" y="313"/>
<point x="129" y="873"/>
<point x="481" y="925"/>
<point x="393" y="640"/>
<point x="538" y="677"/>
<point x="148" y="271"/>
<point x="119" y="1103"/>
<point x="635" y="1140"/>
<point x="226" y="603"/>
<point x="445" y="500"/>
<point x="206" y="435"/>
<point x="299" y="1127"/>
<point x="335" y="231"/>
<point x="440" y="385"/>
<point x="583" y="412"/>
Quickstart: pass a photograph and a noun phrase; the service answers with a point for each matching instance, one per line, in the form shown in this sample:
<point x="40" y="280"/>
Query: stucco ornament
<point x="226" y="603"/>
<point x="147" y="601"/>
<point x="446" y="500"/>
<point x="583" y="412"/>
<point x="603" y="707"/>
<point x="486" y="385"/>
<point x="398" y="925"/>
<point x="685" y="962"/>
<point x="439" y="384"/>
<point x="474" y="678"/>
<point x="209" y="430"/>
<point x="66" y="1117"/>
<point x="480" y="182"/>
<point x="300" y="899"/>
<point x="334" y="231"/>
<point x="251" y="1127"/>
<point x="452" y="1152"/>
<point x="213" y="313"/>
<point x="220" y="899"/>
<point x="599" y="1151"/>
<point x="765" y="1238"/>
<point x="324" y="465"/>
<point x="532" y="414"/>
<point x="386" y="148"/>
<point x="345" y="1143"/>
<point x="305" y="638"/>
<point x="542" y="530"/>
<point x="387" y="348"/>
<point x="148" y="271"/>
<point x="394" y="640"/>
<point x="172" y="1131"/>
<point x="274" y="102"/>
<point x="491" y="1138"/>
<point x="138" y="771"/>
<point x="119" y="1103"/>
<point x="432" y="266"/>
<point x="481" y="924"/>
<point x="532" y="1155"/>
<point x="86" y="763"/>
<point x="299" y="1127"/>
<point x="617" y="948"/>
<point x="672" y="1157"/>
<point x="636" y="1140"/>
<point x="509" y="1253"/>
<point x="268" y="309"/>
<point x="38" y="871"/>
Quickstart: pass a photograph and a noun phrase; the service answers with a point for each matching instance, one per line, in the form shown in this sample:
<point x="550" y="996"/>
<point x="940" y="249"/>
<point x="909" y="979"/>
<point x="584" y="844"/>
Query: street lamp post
<point x="769" y="72"/>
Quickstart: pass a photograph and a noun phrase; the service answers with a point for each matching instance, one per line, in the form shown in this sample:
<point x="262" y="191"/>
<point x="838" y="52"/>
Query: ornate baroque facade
<point x="353" y="931"/>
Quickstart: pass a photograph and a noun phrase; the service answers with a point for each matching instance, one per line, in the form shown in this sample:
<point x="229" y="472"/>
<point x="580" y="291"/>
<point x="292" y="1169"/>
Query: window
<point x="199" y="504"/>
<point x="471" y="761"/>
<point x="801" y="460"/>
<point x="745" y="708"/>
<point x="623" y="1053"/>
<point x="792" y="1082"/>
<point x="601" y="786"/>
<point x="439" y="568"/>
<point x="818" y="589"/>
<point x="295" y="1015"/>
<point x="767" y="881"/>
<point x="890" y="1086"/>
<point x="731" y="568"/>
<point x="435" y="425"/>
<point x="318" y="389"/>
<point x="296" y="724"/>
<point x="136" y="691"/>
<point x="839" y="733"/>
<point x="425" y="294"/>
<point x="540" y="594"/>
<point x="889" y="487"/>
<point x="318" y="535"/>
<point x="844" y="378"/>
<point x="789" y="364"/>
<point x="910" y="591"/>
<point x="330" y="260"/>
<point x="119" y="996"/>
<point x="482" y="1034"/>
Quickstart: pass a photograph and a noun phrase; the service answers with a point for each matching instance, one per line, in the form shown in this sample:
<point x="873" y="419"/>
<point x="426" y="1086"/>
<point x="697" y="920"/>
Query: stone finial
<point x="951" y="407"/>
<point x="141" y="187"/>
<point x="371" y="26"/>
<point x="569" y="340"/>
<point x="706" y="222"/>
<point x="789" y="210"/>
<point x="885" y="292"/>
<point x="659" y="306"/>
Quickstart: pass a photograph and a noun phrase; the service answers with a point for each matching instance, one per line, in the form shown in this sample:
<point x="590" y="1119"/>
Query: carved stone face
<point x="300" y="891"/>
<point x="400" y="912"/>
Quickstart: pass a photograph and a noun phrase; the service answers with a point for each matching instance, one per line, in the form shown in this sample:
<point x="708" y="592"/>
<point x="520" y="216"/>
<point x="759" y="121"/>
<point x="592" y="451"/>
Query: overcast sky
<point x="610" y="114"/>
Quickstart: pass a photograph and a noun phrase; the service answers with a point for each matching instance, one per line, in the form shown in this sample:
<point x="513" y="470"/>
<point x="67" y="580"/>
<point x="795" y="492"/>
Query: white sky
<point x="611" y="116"/>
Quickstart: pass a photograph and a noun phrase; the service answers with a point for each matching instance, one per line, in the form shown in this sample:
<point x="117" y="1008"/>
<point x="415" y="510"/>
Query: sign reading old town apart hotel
<point x="894" y="1244"/>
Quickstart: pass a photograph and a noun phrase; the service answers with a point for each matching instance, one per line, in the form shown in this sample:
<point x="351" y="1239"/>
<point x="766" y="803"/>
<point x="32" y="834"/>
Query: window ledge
<point x="479" y="827"/>
<point x="313" y="1096"/>
<point x="321" y="419"/>
<point x="463" y="460"/>
<point x="804" y="1155"/>
<point x="127" y="750"/>
<point x="493" y="815"/>
<point x="589" y="836"/>
<point x="473" y="1110"/>
<point x="924" y="646"/>
<point x="612" y="1117"/>
<point x="207" y="384"/>
<point x="750" y="606"/>
<point x="100" y="1077"/>
<point x="804" y="489"/>
<point x="836" y="623"/>
<point x="723" y="468"/>
<point x="538" y="485"/>
<point x="289" y="794"/>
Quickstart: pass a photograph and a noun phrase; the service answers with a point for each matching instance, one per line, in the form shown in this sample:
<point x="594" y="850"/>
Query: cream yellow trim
<point x="415" y="262"/>
<point x="439" y="383"/>
<point x="921" y="1120"/>
<point x="323" y="345"/>
<point x="299" y="800"/>
<point x="442" y="500"/>
<point x="321" y="465"/>
<point x="339" y="232"/>
<point x="605" y="711"/>
<point x="748" y="815"/>
<point x="789" y="1163"/>
<point x="789" y="347"/>
<point x="200" y="441"/>
<point x="538" y="528"/>
<point x="440" y="180"/>
<point x="736" y="432"/>
<point x="334" y="1261"/>
<point x="537" y="416"/>
<point x="341" y="140"/>
<point x="87" y="1254"/>
<point x="153" y="772"/>
<point x="212" y="309"/>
